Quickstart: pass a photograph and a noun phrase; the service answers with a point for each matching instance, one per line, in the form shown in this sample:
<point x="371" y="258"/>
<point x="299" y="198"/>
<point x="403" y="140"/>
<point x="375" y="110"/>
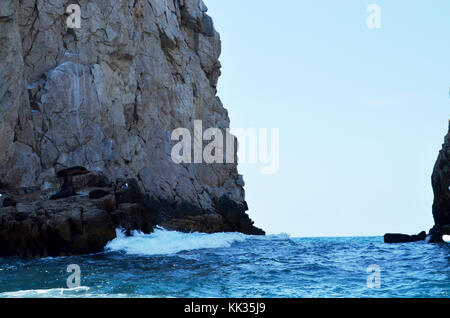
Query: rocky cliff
<point x="441" y="188"/>
<point x="106" y="96"/>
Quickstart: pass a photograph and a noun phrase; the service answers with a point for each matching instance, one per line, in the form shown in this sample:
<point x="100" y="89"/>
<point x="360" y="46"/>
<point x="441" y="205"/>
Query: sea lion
<point x="7" y="202"/>
<point x="67" y="189"/>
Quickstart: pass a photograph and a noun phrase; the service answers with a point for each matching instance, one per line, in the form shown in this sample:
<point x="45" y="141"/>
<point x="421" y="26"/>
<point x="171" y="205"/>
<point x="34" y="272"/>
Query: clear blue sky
<point x="362" y="113"/>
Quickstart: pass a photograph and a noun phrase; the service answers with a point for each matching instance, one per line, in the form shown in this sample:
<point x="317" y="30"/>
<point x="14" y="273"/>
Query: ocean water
<point x="172" y="264"/>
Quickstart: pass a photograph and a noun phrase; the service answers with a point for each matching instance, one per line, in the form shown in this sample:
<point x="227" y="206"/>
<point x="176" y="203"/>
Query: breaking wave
<point x="46" y="293"/>
<point x="163" y="242"/>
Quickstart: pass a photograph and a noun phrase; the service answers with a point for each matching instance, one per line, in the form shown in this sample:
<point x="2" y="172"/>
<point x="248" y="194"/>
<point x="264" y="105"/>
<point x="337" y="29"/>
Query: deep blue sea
<point x="172" y="264"/>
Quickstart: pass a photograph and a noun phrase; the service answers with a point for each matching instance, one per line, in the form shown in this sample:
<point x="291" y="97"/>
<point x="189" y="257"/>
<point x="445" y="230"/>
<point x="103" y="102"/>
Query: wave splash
<point x="46" y="293"/>
<point x="162" y="242"/>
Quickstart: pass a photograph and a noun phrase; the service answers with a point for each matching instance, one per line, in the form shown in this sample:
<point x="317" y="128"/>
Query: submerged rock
<point x="70" y="226"/>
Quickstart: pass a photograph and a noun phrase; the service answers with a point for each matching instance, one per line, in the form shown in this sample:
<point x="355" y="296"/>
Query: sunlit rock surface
<point x="108" y="95"/>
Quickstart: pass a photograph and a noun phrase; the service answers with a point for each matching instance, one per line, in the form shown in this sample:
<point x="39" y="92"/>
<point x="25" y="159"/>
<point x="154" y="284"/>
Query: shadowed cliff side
<point x="441" y="187"/>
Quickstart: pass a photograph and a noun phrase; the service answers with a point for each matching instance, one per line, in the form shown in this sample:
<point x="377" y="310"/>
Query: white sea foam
<point x="44" y="293"/>
<point x="162" y="242"/>
<point x="274" y="237"/>
<point x="446" y="238"/>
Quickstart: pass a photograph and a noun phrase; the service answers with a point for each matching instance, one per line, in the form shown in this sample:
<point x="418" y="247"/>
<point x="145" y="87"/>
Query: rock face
<point x="37" y="227"/>
<point x="106" y="97"/>
<point x="441" y="188"/>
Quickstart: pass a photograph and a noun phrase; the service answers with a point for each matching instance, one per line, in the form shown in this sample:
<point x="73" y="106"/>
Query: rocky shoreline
<point x="107" y="96"/>
<point x="441" y="206"/>
<point x="36" y="226"/>
<point x="441" y="188"/>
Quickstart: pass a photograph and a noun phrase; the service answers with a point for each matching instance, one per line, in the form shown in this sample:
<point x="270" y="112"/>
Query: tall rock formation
<point x="441" y="188"/>
<point x="107" y="96"/>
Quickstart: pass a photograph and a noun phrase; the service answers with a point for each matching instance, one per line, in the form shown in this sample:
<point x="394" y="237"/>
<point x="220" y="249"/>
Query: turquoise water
<point x="171" y="264"/>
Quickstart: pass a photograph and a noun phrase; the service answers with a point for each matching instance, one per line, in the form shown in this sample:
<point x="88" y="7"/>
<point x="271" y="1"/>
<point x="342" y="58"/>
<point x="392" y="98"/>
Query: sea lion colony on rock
<point x="81" y="223"/>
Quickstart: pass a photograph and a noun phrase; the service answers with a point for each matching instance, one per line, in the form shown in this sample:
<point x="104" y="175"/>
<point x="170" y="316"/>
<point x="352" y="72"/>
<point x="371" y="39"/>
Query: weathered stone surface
<point x="441" y="187"/>
<point x="107" y="97"/>
<point x="207" y="223"/>
<point x="75" y="225"/>
<point x="235" y="215"/>
<point x="98" y="194"/>
<point x="7" y="202"/>
<point x="437" y="233"/>
<point x="50" y="228"/>
<point x="131" y="216"/>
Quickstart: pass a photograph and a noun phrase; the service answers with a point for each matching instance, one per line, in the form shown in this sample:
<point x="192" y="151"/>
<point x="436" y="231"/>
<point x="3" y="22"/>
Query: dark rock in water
<point x="82" y="225"/>
<point x="97" y="194"/>
<point x="7" y="202"/>
<point x="132" y="216"/>
<point x="403" y="238"/>
<point x="234" y="213"/>
<point x="50" y="228"/>
<point x="422" y="236"/>
<point x="228" y="216"/>
<point x="438" y="232"/>
<point x="206" y="223"/>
